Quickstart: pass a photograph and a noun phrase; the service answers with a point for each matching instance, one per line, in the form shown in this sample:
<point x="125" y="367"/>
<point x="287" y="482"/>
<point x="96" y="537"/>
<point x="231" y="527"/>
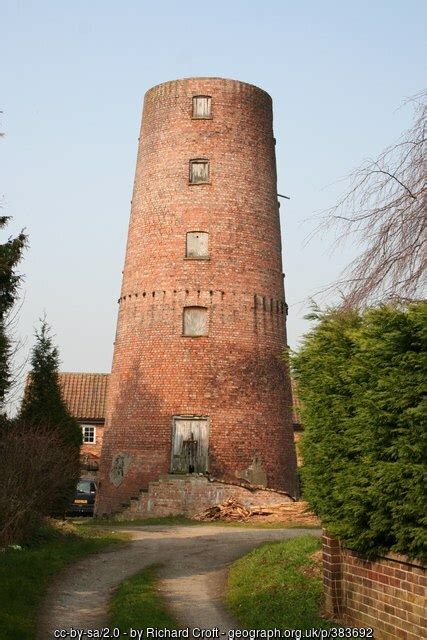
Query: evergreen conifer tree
<point x="10" y="254"/>
<point x="42" y="403"/>
<point x="44" y="412"/>
<point x="361" y="381"/>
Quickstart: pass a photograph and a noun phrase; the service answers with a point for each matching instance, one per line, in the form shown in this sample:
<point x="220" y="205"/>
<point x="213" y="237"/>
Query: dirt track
<point x="194" y="562"/>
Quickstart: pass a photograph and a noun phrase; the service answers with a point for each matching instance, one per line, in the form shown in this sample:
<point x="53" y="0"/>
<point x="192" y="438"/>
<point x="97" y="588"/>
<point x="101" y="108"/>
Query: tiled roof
<point x="296" y="404"/>
<point x="85" y="394"/>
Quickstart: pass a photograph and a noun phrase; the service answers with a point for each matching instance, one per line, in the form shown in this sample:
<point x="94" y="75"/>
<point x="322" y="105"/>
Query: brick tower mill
<point x="198" y="383"/>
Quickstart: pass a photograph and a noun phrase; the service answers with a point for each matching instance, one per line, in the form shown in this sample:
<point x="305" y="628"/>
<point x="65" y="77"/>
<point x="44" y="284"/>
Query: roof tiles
<point x="85" y="394"/>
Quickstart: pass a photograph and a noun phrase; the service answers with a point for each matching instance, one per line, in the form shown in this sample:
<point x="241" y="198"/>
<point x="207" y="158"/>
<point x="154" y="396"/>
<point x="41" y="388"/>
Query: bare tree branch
<point x="384" y="212"/>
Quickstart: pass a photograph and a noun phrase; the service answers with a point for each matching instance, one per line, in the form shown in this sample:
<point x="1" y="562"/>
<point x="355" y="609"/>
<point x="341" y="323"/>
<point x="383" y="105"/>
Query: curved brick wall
<point x="234" y="375"/>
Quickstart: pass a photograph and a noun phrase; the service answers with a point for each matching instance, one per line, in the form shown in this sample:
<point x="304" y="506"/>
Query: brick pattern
<point x="234" y="375"/>
<point x="387" y="594"/>
<point x="93" y="449"/>
<point x="190" y="495"/>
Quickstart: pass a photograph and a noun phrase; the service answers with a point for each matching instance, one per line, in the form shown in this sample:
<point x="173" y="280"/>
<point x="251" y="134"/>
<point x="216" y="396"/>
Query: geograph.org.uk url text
<point x="215" y="633"/>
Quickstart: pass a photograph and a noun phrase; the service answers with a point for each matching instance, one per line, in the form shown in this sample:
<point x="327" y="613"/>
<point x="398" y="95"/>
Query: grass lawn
<point x="278" y="585"/>
<point x="25" y="574"/>
<point x="136" y="603"/>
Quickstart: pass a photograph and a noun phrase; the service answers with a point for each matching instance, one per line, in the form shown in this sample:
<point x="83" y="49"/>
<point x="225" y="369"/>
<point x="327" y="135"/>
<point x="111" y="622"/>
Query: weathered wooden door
<point x="190" y="439"/>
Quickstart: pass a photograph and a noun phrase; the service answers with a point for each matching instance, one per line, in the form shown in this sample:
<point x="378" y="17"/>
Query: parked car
<point x="84" y="498"/>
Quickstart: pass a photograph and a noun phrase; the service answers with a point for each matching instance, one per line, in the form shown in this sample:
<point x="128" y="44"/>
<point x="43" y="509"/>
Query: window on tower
<point x="199" y="171"/>
<point x="197" y="245"/>
<point x="195" y="321"/>
<point x="202" y="107"/>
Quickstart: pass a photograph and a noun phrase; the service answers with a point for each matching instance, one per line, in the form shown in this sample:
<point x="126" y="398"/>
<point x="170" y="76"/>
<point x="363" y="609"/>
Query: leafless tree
<point x="384" y="212"/>
<point x="38" y="473"/>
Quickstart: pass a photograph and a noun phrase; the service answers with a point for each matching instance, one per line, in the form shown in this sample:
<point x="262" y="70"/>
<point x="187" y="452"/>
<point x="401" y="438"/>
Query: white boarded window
<point x="89" y="434"/>
<point x="202" y="107"/>
<point x="197" y="244"/>
<point x="199" y="171"/>
<point x="195" y="321"/>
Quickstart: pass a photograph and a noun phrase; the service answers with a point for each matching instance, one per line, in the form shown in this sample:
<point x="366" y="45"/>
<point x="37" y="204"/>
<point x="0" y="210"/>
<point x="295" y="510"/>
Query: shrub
<point x="361" y="381"/>
<point x="38" y="474"/>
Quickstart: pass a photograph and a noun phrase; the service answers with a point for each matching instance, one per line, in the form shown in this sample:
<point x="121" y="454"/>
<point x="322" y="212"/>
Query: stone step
<point x="189" y="494"/>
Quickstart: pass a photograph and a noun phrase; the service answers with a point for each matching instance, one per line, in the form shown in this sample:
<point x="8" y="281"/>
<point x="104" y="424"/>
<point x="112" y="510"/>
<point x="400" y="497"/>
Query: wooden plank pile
<point x="295" y="512"/>
<point x="232" y="510"/>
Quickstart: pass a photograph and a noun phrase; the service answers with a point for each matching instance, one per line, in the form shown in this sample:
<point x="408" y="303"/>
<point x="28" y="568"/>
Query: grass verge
<point x="26" y="572"/>
<point x="136" y="604"/>
<point x="278" y="585"/>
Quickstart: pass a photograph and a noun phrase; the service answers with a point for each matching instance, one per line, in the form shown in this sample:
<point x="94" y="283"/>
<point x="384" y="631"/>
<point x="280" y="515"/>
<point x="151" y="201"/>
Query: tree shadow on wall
<point x="138" y="425"/>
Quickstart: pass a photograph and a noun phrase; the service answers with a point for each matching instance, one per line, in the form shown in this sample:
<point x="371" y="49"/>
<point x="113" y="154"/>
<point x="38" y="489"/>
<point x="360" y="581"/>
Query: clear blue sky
<point x="73" y="76"/>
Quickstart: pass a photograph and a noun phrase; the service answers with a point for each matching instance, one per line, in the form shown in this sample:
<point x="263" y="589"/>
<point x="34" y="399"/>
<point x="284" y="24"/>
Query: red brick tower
<point x="197" y="382"/>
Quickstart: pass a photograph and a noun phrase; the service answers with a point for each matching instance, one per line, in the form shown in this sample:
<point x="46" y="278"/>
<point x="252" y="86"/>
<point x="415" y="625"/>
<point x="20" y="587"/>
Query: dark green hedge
<point x="362" y="381"/>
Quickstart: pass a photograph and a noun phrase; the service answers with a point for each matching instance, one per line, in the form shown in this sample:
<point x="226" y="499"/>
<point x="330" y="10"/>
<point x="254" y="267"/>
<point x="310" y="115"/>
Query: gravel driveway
<point x="194" y="562"/>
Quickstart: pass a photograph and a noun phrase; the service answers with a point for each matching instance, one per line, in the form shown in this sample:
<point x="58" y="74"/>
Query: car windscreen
<point x="84" y="486"/>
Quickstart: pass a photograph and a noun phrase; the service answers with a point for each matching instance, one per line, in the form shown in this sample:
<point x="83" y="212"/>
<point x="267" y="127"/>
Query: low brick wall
<point x="387" y="594"/>
<point x="189" y="495"/>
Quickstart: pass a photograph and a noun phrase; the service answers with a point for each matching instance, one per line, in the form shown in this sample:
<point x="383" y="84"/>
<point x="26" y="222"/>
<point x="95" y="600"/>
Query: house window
<point x="199" y="171"/>
<point x="202" y="107"/>
<point x="195" y="321"/>
<point x="89" y="434"/>
<point x="197" y="244"/>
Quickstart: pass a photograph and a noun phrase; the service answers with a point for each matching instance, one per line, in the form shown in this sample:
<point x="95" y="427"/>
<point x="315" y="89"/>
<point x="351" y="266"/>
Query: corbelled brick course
<point x="234" y="375"/>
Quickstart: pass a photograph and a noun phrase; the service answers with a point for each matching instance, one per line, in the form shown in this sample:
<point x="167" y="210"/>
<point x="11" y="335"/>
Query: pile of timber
<point x="232" y="510"/>
<point x="292" y="512"/>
